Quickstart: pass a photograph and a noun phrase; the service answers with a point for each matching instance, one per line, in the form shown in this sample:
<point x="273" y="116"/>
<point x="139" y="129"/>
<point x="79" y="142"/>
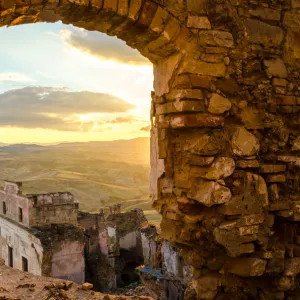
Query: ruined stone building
<point x="123" y="247"/>
<point x="113" y="247"/>
<point x="46" y="234"/>
<point x="225" y="137"/>
<point x="38" y="233"/>
<point x="164" y="273"/>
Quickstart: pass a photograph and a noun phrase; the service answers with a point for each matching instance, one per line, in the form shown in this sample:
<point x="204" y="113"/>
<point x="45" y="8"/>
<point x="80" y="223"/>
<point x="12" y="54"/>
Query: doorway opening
<point x="129" y="274"/>
<point x="24" y="264"/>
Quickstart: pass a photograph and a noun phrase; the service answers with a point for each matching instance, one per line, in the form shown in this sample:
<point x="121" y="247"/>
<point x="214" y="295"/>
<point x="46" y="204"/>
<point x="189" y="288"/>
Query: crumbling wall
<point x="63" y="251"/>
<point x="151" y="247"/>
<point x="36" y="210"/>
<point x="228" y="131"/>
<point x="24" y="244"/>
<point x="12" y="200"/>
<point x="68" y="261"/>
<point x="53" y="208"/>
<point x="100" y="269"/>
<point x="114" y="246"/>
<point x="164" y="274"/>
<point x="126" y="244"/>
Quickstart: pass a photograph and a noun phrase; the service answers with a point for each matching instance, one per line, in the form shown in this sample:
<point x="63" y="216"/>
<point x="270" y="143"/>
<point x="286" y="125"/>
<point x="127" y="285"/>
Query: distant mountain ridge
<point x="90" y="143"/>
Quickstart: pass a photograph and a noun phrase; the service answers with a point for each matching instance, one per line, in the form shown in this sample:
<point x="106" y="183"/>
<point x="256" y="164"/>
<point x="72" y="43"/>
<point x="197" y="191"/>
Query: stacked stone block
<point x="225" y="133"/>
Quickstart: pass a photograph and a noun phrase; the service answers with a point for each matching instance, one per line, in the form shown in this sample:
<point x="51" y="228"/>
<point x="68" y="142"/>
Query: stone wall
<point x="37" y="210"/>
<point x="53" y="208"/>
<point x="225" y="134"/>
<point x="114" y="247"/>
<point x="228" y="131"/>
<point x="164" y="273"/>
<point x="68" y="261"/>
<point x="63" y="251"/>
<point x="24" y="244"/>
<point x="12" y="200"/>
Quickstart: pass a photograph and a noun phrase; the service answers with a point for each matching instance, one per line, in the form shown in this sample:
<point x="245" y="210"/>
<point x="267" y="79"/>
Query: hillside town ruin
<point x="225" y="137"/>
<point x="47" y="235"/>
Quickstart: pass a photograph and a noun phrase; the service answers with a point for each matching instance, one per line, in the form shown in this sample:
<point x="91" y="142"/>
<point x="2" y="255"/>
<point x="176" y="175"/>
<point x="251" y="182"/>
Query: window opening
<point x="20" y="214"/>
<point x="10" y="256"/>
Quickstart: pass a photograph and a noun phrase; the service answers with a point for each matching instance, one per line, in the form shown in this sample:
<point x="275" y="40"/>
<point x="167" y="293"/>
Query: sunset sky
<point x="61" y="83"/>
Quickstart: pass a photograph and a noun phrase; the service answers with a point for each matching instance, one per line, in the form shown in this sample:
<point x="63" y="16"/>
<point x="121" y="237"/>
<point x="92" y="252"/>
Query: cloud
<point x="4" y="77"/>
<point x="146" y="128"/>
<point x="56" y="108"/>
<point x="127" y="119"/>
<point x="102" y="46"/>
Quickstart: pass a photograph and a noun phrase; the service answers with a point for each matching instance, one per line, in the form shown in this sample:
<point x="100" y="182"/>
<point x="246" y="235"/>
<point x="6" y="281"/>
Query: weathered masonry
<point x="34" y="236"/>
<point x="225" y="135"/>
<point x="113" y="247"/>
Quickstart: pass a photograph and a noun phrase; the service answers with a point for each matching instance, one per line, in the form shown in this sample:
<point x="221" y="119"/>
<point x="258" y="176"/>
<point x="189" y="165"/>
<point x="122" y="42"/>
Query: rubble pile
<point x="17" y="285"/>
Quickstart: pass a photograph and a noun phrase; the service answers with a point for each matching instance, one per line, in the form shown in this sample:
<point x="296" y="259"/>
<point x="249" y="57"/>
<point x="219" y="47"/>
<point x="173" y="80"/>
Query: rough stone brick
<point x="248" y="230"/>
<point x="292" y="267"/>
<point x="148" y="12"/>
<point x="159" y="20"/>
<point x="203" y="161"/>
<point x="198" y="22"/>
<point x="134" y="9"/>
<point x="295" y="3"/>
<point x="123" y="7"/>
<point x="203" y="68"/>
<point x="216" y="38"/>
<point x="292" y="19"/>
<point x="110" y="4"/>
<point x="209" y="193"/>
<point x="185" y="94"/>
<point x="276" y="67"/>
<point x="221" y="168"/>
<point x="279" y="82"/>
<point x="292" y="47"/>
<point x="191" y="120"/>
<point x="285" y="100"/>
<point x="197" y="6"/>
<point x="276" y="178"/>
<point x="244" y="143"/>
<point x="180" y="106"/>
<point x="247" y="266"/>
<point x="163" y="72"/>
<point x="251" y="163"/>
<point x="172" y="28"/>
<point x="262" y="33"/>
<point x="272" y="168"/>
<point x="218" y="104"/>
<point x="266" y="13"/>
<point x="247" y="248"/>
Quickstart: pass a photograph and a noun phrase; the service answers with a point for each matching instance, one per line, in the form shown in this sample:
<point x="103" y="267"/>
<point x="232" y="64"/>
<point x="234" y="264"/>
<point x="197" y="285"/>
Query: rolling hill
<point x="97" y="173"/>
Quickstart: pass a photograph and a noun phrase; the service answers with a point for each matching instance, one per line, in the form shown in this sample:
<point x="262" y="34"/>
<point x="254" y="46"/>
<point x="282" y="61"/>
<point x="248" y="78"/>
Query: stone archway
<point x="226" y="130"/>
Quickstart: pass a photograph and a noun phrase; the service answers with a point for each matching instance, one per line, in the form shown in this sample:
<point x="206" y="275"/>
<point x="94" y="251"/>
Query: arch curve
<point x="143" y="25"/>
